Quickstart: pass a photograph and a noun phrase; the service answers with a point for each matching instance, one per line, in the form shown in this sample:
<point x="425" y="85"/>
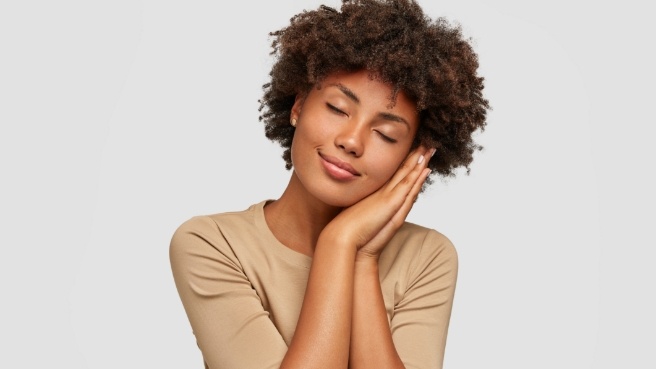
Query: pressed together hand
<point x="370" y="223"/>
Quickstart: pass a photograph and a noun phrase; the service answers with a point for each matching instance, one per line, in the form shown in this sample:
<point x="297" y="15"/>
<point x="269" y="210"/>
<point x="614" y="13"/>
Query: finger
<point x="405" y="183"/>
<point x="408" y="186"/>
<point x="409" y="201"/>
<point x="417" y="157"/>
<point x="383" y="235"/>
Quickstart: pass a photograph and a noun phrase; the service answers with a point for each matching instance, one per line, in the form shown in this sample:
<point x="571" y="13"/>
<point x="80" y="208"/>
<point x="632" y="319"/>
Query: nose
<point x="350" y="139"/>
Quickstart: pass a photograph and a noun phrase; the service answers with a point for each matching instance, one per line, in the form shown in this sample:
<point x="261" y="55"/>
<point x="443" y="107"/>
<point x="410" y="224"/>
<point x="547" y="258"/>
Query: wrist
<point x="336" y="240"/>
<point x="367" y="260"/>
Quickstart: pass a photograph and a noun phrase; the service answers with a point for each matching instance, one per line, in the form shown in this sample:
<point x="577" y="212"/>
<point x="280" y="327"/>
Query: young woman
<point x="366" y="102"/>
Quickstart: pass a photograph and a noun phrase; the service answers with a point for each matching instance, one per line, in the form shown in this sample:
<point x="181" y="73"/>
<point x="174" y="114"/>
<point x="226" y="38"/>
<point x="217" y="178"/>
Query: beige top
<point x="243" y="290"/>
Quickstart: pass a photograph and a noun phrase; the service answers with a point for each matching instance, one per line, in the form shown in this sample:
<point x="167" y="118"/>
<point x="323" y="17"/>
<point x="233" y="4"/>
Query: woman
<point x="365" y="101"/>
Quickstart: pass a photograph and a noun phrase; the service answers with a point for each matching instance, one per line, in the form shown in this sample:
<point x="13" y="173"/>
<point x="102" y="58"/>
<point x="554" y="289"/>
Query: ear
<point x="297" y="107"/>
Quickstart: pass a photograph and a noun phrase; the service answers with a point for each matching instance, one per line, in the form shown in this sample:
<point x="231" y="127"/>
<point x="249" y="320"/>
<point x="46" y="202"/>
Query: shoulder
<point x="218" y="223"/>
<point x="423" y="240"/>
<point x="206" y="234"/>
<point x="419" y="250"/>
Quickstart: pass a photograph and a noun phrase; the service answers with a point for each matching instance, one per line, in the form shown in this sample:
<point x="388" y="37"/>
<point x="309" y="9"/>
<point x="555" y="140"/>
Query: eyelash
<point x="386" y="138"/>
<point x="338" y="111"/>
<point x="335" y="109"/>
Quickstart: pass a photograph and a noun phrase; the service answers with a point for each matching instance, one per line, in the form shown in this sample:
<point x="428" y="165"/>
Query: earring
<point x="293" y="122"/>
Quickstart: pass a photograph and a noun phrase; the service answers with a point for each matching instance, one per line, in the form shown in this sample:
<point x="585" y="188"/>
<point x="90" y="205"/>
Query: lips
<point x="338" y="168"/>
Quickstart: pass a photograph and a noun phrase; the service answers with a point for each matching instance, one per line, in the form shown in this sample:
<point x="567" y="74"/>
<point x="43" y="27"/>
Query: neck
<point x="297" y="218"/>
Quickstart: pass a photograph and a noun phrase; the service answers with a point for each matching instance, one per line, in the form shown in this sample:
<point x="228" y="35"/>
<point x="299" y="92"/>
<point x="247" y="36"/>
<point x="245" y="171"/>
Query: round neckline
<point x="288" y="254"/>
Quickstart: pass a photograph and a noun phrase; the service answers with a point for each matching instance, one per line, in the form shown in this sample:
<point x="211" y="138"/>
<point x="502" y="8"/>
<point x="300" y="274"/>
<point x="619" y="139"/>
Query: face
<point x="348" y="140"/>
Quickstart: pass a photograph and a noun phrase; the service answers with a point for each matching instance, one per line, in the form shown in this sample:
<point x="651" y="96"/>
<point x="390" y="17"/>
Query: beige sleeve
<point x="232" y="328"/>
<point x="421" y="319"/>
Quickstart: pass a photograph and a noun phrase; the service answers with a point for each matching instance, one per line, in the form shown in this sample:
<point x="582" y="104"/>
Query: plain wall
<point x="122" y="119"/>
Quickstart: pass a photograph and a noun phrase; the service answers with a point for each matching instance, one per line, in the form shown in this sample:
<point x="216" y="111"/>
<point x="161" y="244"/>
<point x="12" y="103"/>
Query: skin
<point x="344" y="221"/>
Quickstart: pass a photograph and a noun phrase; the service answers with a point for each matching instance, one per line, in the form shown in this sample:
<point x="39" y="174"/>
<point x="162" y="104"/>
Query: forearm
<point x="322" y="335"/>
<point x="371" y="338"/>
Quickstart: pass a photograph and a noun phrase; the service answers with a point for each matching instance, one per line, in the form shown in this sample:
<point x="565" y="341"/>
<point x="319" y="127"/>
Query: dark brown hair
<point x="429" y="60"/>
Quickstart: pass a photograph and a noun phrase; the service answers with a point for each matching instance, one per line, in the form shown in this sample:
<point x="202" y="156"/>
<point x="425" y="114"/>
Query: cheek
<point x="297" y="160"/>
<point x="318" y="130"/>
<point x="311" y="134"/>
<point x="301" y="142"/>
<point x="383" y="169"/>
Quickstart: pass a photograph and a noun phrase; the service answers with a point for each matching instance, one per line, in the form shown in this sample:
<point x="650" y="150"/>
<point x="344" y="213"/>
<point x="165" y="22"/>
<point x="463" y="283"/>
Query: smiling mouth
<point x="338" y="169"/>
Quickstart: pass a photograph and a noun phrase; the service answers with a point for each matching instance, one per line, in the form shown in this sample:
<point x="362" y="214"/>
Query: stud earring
<point x="293" y="122"/>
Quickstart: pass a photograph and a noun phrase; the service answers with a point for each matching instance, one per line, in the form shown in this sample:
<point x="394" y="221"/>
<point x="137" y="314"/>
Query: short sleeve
<point x="421" y="318"/>
<point x="232" y="328"/>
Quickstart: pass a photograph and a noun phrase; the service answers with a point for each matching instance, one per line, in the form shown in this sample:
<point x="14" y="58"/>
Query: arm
<point x="232" y="328"/>
<point x="321" y="339"/>
<point x="421" y="318"/>
<point x="371" y="339"/>
<point x="417" y="332"/>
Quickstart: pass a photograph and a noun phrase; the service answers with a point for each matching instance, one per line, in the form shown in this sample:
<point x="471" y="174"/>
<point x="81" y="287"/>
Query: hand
<point x="372" y="222"/>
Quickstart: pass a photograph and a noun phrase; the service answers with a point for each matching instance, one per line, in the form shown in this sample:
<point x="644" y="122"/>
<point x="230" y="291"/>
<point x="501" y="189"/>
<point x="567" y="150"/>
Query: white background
<point x="121" y="119"/>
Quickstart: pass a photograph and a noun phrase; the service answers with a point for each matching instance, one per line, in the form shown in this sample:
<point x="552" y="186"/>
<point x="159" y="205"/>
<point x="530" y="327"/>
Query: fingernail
<point x="421" y="159"/>
<point x="432" y="152"/>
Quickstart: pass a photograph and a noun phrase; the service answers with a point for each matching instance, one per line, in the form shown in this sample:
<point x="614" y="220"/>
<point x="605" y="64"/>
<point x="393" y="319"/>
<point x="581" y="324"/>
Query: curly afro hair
<point x="428" y="60"/>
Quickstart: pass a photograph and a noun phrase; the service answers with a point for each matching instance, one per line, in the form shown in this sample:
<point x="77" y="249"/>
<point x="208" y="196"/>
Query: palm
<point x="373" y="221"/>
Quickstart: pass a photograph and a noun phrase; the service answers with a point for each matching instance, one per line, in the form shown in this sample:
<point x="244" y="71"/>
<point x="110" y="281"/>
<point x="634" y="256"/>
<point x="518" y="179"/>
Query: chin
<point x="339" y="202"/>
<point x="337" y="197"/>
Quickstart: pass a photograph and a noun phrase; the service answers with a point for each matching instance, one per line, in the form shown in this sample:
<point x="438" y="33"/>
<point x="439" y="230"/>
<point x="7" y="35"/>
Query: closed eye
<point x="335" y="109"/>
<point x="386" y="138"/>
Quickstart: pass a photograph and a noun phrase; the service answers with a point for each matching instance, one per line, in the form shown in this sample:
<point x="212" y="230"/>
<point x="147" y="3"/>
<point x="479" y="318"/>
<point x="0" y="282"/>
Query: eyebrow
<point x="346" y="91"/>
<point x="351" y="95"/>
